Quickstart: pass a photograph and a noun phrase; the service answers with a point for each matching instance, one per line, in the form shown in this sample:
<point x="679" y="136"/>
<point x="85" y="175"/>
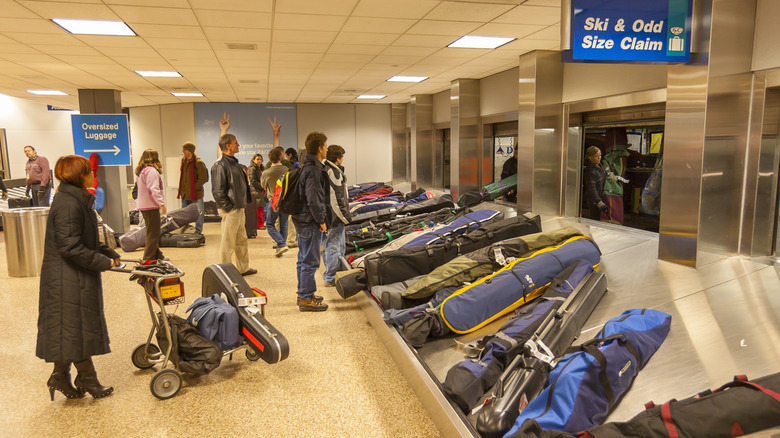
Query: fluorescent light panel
<point x="480" y="42"/>
<point x="187" y="94"/>
<point x="158" y="74"/>
<point x="371" y="96"/>
<point x="407" y="78"/>
<point x="47" y="92"/>
<point x="94" y="27"/>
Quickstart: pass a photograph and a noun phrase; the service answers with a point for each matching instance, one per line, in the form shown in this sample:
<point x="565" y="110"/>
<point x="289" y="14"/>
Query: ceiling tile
<point x="68" y="50"/>
<point x="506" y="30"/>
<point x="307" y="22"/>
<point x="292" y="59"/>
<point x="51" y="9"/>
<point x="28" y="25"/>
<point x="552" y="33"/>
<point x="82" y="60"/>
<point x="312" y="36"/>
<point x="15" y="10"/>
<point x="463" y="11"/>
<point x="538" y="15"/>
<point x="233" y="5"/>
<point x="178" y="43"/>
<point x="553" y="3"/>
<point x="155" y="15"/>
<point x="415" y="9"/>
<point x="237" y="34"/>
<point x="413" y="40"/>
<point x="330" y="7"/>
<point x="234" y="19"/>
<point x="100" y="41"/>
<point x="180" y="55"/>
<point x="367" y="38"/>
<point x="397" y="50"/>
<point x="184" y="4"/>
<point x="51" y="39"/>
<point x="299" y="47"/>
<point x="356" y="49"/>
<point x="437" y="27"/>
<point x="168" y="31"/>
<point x="331" y="58"/>
<point x="378" y="25"/>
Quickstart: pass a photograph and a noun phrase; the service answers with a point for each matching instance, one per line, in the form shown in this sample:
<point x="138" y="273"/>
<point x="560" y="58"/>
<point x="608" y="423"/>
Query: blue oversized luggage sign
<point x="656" y="31"/>
<point x="104" y="134"/>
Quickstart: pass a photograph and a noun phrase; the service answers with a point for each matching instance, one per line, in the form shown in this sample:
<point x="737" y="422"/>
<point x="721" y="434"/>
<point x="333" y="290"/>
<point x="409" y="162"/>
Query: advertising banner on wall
<point x="635" y="31"/>
<point x="249" y="122"/>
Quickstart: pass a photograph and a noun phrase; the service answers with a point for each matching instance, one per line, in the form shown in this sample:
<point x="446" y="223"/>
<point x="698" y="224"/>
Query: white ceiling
<point x="313" y="51"/>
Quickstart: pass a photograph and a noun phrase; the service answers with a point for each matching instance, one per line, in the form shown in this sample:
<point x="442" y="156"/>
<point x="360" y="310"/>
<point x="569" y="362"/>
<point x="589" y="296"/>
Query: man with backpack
<point x="230" y="188"/>
<point x="310" y="221"/>
<point x="191" y="180"/>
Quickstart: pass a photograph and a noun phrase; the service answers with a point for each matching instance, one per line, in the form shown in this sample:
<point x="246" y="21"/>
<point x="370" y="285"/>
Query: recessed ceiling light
<point x="407" y="79"/>
<point x="158" y="74"/>
<point x="480" y="42"/>
<point x="187" y="94"/>
<point x="94" y="27"/>
<point x="371" y="96"/>
<point x="47" y="92"/>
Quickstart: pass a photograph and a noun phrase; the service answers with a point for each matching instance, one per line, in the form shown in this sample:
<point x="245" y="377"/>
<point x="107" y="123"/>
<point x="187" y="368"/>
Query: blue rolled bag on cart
<point x="587" y="384"/>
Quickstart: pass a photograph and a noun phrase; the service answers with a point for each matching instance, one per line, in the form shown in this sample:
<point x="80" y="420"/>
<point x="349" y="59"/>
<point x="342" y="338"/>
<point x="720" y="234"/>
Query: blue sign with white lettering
<point x="104" y="134"/>
<point x="631" y="30"/>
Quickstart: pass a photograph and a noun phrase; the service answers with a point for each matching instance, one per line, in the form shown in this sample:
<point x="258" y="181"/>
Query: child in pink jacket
<point x="151" y="202"/>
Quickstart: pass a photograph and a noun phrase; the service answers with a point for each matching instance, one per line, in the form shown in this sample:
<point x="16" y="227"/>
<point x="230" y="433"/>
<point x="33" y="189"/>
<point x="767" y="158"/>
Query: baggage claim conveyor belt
<point x="725" y="321"/>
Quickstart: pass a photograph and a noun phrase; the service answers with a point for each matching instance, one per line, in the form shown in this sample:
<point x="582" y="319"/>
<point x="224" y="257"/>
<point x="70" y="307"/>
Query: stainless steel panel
<point x="422" y="140"/>
<point x="548" y="135"/>
<point x="400" y="146"/>
<point x="438" y="158"/>
<point x="526" y="123"/>
<point x="465" y="145"/>
<point x="619" y="101"/>
<point x="750" y="239"/>
<point x="488" y="131"/>
<point x="573" y="163"/>
<point x="565" y="24"/>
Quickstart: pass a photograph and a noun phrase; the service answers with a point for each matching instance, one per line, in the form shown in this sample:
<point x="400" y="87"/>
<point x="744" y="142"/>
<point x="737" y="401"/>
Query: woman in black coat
<point x="593" y="179"/>
<point x="71" y="324"/>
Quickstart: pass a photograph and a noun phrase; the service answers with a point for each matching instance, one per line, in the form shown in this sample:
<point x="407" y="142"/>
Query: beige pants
<point x="292" y="236"/>
<point x="234" y="239"/>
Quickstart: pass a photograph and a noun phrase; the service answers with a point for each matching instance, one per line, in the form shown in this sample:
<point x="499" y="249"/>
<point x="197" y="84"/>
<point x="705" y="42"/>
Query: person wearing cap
<point x="194" y="175"/>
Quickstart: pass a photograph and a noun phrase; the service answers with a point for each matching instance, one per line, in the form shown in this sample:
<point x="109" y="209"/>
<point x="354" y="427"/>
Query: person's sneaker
<point x="250" y="271"/>
<point x="261" y="227"/>
<point x="317" y="298"/>
<point x="280" y="251"/>
<point x="330" y="285"/>
<point x="311" y="305"/>
<point x="293" y="245"/>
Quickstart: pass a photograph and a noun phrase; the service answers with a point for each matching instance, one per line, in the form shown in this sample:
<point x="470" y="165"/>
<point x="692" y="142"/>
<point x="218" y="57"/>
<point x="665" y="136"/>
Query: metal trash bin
<point x="25" y="231"/>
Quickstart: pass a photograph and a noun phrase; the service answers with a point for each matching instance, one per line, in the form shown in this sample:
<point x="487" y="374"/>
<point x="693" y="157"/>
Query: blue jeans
<point x="335" y="247"/>
<point x="199" y="222"/>
<point x="309" y="240"/>
<point x="279" y="236"/>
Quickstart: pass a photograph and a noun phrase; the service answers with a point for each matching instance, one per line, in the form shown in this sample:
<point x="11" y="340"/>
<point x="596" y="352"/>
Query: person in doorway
<point x="71" y="324"/>
<point x="193" y="175"/>
<point x="593" y="179"/>
<point x="38" y="177"/>
<point x="335" y="245"/>
<point x="151" y="202"/>
<point x="230" y="188"/>
<point x="255" y="171"/>
<point x="268" y="180"/>
<point x="509" y="169"/>
<point x="311" y="222"/>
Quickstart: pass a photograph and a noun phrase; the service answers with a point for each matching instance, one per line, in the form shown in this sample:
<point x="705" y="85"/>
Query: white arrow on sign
<point x="116" y="150"/>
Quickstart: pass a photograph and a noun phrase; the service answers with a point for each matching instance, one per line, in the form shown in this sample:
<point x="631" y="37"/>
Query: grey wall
<point x="498" y="93"/>
<point x="588" y="81"/>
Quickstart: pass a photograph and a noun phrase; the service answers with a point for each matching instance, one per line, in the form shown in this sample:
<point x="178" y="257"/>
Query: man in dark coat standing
<point x="71" y="324"/>
<point x="312" y="220"/>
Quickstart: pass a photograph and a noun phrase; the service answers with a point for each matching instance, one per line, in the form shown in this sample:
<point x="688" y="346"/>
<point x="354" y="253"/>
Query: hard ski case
<point x="260" y="335"/>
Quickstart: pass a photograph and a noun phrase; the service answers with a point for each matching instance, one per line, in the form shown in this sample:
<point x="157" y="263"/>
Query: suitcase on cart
<point x="265" y="340"/>
<point x="20" y="202"/>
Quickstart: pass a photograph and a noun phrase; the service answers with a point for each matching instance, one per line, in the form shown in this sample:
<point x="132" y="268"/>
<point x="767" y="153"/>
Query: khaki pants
<point x="234" y="239"/>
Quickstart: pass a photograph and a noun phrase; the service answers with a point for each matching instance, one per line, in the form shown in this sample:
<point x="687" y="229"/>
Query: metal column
<point x="400" y="146"/>
<point x="465" y="144"/>
<point x="540" y="126"/>
<point x="707" y="127"/>
<point x="113" y="179"/>
<point x="422" y="141"/>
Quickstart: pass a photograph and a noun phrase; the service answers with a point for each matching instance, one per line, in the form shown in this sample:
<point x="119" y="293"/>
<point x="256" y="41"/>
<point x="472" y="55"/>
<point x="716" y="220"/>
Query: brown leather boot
<point x="87" y="380"/>
<point x="60" y="381"/>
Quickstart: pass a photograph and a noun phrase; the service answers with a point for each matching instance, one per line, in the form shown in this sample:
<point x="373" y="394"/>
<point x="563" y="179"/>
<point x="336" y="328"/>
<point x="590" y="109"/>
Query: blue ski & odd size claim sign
<point x="104" y="134"/>
<point x="631" y="30"/>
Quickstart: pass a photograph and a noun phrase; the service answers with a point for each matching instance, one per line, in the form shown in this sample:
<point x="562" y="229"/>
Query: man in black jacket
<point x="311" y="221"/>
<point x="231" y="193"/>
<point x="334" y="244"/>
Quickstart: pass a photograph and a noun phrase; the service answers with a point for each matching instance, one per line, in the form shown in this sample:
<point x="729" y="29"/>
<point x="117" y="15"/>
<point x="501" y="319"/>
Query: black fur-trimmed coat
<point x="71" y="324"/>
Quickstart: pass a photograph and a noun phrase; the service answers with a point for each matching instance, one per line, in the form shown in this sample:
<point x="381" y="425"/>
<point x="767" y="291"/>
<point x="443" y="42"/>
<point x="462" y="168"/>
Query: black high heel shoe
<point x="60" y="381"/>
<point x="87" y="381"/>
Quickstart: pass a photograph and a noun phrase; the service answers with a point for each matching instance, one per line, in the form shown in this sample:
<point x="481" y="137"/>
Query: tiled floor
<point x="338" y="380"/>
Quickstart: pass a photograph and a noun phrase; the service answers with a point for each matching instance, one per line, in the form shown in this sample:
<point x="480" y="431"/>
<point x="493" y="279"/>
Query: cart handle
<point x="177" y="274"/>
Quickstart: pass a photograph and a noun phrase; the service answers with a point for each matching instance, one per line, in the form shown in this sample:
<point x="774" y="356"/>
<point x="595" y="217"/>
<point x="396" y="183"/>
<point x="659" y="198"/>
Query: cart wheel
<point x="140" y="355"/>
<point x="165" y="384"/>
<point x="252" y="355"/>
